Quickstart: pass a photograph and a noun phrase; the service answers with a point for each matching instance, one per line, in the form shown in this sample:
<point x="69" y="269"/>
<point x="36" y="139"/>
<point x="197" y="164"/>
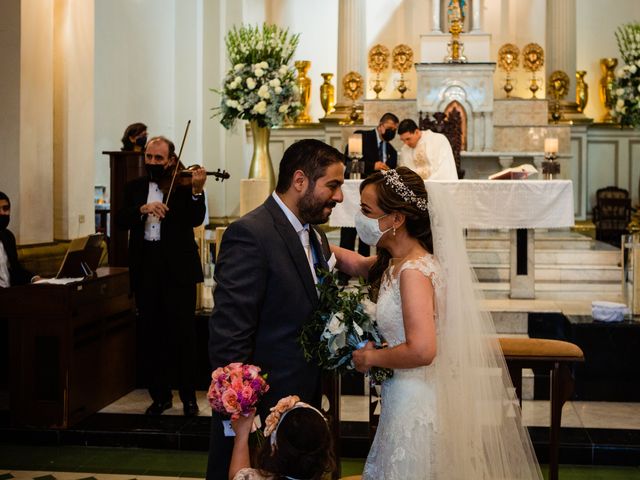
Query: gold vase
<point x="304" y="85"/>
<point x="582" y="90"/>
<point x="261" y="166"/>
<point x="327" y="94"/>
<point x="608" y="66"/>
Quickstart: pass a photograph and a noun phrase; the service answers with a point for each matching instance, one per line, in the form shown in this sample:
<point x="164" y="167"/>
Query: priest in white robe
<point x="425" y="152"/>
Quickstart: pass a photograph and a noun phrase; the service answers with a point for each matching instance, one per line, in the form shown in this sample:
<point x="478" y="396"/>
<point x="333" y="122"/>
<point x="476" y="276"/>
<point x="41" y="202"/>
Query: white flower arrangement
<point x="626" y="88"/>
<point x="261" y="84"/>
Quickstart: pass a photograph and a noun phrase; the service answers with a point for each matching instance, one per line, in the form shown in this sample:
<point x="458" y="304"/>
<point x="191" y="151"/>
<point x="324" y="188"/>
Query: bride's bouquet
<point x="343" y="322"/>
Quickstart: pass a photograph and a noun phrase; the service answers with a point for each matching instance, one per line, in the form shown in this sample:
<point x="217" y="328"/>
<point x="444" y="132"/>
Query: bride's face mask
<point x="369" y="228"/>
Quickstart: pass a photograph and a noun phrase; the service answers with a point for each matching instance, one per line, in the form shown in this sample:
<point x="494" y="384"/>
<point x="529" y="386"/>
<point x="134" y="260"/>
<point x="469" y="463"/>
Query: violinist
<point x="165" y="268"/>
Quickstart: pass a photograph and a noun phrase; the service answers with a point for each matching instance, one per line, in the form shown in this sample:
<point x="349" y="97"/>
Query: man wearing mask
<point x="165" y="268"/>
<point x="378" y="154"/>
<point x="11" y="272"/>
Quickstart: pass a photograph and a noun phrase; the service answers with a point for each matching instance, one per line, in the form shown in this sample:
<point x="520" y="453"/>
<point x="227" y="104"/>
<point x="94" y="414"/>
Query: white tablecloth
<point x="485" y="204"/>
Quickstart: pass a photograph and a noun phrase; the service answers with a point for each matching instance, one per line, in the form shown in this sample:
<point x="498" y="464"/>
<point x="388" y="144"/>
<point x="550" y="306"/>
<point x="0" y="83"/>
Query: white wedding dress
<point x="458" y="418"/>
<point x="403" y="447"/>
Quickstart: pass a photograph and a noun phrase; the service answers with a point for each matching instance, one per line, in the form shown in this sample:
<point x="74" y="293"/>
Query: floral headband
<point x="284" y="406"/>
<point x="392" y="178"/>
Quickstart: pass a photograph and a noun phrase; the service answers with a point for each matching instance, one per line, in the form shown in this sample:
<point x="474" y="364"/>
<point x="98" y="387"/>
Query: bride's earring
<point x="394" y="231"/>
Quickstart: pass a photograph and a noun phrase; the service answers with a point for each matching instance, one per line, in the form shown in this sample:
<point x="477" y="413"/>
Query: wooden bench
<point x="555" y="356"/>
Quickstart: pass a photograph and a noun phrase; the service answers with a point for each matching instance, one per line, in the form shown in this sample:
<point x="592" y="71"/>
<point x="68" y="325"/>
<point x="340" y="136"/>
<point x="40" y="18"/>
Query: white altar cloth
<point x="489" y="204"/>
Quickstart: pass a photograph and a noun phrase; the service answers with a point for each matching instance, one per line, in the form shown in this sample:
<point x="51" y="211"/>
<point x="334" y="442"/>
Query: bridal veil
<point x="480" y="433"/>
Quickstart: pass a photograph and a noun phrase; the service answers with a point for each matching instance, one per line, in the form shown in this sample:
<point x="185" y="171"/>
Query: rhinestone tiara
<point x="392" y="178"/>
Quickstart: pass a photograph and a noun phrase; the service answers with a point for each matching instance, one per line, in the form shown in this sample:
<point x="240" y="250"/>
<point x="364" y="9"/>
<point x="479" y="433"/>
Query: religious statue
<point x="456" y="9"/>
<point x="455" y="12"/>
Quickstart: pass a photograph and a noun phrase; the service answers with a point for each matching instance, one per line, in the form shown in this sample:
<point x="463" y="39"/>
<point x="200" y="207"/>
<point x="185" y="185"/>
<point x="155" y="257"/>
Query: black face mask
<point x="388" y="135"/>
<point x="141" y="141"/>
<point x="155" y="171"/>
<point x="4" y="222"/>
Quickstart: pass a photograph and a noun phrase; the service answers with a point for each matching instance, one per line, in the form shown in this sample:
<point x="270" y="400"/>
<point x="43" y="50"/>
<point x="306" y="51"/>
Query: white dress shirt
<point x="152" y="223"/>
<point x="303" y="232"/>
<point x="5" y="278"/>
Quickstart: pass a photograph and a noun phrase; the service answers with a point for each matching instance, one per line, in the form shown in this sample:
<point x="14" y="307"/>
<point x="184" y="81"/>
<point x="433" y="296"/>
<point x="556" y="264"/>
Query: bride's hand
<point x="362" y="357"/>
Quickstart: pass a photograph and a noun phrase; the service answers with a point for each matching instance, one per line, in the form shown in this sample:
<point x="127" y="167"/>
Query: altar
<point x="518" y="205"/>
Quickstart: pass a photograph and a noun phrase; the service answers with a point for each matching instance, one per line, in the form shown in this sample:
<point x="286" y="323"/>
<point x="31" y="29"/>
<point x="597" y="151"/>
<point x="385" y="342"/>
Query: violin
<point x="182" y="176"/>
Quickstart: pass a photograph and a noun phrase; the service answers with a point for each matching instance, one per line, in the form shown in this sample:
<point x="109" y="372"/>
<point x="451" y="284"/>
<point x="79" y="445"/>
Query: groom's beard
<point x="312" y="210"/>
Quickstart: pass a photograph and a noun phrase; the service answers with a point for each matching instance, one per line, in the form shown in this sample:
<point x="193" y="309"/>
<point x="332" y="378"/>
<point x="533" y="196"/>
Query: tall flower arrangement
<point x="260" y="85"/>
<point x="627" y="83"/>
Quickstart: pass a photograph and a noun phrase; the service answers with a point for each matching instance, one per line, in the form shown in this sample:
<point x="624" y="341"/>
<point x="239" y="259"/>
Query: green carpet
<point x="138" y="461"/>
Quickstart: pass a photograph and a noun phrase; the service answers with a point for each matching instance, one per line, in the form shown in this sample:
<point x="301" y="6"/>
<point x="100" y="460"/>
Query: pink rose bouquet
<point x="236" y="389"/>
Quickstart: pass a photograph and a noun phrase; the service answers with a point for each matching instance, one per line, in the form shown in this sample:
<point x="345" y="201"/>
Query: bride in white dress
<point x="449" y="411"/>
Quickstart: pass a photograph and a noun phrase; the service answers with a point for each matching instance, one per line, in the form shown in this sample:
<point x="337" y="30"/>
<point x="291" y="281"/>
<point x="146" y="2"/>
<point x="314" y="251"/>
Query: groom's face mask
<point x="369" y="228"/>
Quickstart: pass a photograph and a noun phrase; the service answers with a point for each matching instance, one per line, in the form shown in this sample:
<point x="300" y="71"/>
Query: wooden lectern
<point x="125" y="166"/>
<point x="71" y="348"/>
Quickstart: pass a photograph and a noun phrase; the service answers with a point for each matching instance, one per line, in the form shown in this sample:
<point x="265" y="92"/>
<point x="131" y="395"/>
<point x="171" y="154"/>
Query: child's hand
<point x="243" y="425"/>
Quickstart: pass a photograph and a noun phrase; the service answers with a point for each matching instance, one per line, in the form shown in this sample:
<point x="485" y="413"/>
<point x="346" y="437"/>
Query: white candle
<point x="355" y="145"/>
<point x="550" y="145"/>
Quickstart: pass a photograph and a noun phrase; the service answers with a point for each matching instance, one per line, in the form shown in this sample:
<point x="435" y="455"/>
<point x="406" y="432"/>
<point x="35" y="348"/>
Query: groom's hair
<point x="309" y="155"/>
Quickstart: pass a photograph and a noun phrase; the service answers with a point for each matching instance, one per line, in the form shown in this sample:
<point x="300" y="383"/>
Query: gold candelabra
<point x="378" y="63"/>
<point x="559" y="87"/>
<point x="532" y="61"/>
<point x="508" y="60"/>
<point x="352" y="84"/>
<point x="402" y="61"/>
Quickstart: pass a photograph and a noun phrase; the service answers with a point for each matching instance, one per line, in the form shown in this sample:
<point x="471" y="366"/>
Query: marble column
<point x="26" y="124"/>
<point x="476" y="16"/>
<point x="436" y="27"/>
<point x="561" y="43"/>
<point x="351" y="42"/>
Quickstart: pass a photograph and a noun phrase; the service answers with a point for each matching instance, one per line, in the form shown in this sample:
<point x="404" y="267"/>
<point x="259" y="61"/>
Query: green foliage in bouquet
<point x="261" y="83"/>
<point x="627" y="84"/>
<point x="343" y="321"/>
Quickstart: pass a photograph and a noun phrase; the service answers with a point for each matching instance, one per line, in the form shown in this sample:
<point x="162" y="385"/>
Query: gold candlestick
<point x="378" y="63"/>
<point x="608" y="66"/>
<point x="532" y="61"/>
<point x="455" y="46"/>
<point x="352" y="84"/>
<point x="508" y="59"/>
<point x="304" y="85"/>
<point x="402" y="61"/>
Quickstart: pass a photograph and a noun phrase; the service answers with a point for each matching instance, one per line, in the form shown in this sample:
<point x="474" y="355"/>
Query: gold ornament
<point x="532" y="61"/>
<point x="402" y="62"/>
<point x="327" y="94"/>
<point x="352" y="84"/>
<point x="378" y="63"/>
<point x="582" y="90"/>
<point x="456" y="21"/>
<point x="304" y="85"/>
<point x="558" y="87"/>
<point x="608" y="66"/>
<point x="508" y="60"/>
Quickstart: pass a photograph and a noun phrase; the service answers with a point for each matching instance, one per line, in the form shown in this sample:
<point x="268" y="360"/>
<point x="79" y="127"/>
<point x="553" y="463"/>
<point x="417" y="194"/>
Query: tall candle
<point x="355" y="145"/>
<point x="550" y="145"/>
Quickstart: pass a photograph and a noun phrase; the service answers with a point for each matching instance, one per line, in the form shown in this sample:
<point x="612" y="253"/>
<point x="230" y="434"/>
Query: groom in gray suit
<point x="266" y="283"/>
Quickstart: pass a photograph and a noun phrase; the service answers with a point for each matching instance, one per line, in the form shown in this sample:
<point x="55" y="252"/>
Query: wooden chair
<point x="611" y="214"/>
<point x="450" y="125"/>
<point x="557" y="357"/>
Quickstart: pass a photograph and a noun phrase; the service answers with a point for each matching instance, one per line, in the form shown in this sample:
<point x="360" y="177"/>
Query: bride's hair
<point x="411" y="203"/>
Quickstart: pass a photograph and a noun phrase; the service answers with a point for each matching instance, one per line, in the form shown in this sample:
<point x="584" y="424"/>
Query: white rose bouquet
<point x="261" y="85"/>
<point x="343" y="322"/>
<point x="626" y="88"/>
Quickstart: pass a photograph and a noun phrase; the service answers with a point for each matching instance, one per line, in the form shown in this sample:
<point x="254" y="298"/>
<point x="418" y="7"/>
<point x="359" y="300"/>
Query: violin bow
<point x="175" y="170"/>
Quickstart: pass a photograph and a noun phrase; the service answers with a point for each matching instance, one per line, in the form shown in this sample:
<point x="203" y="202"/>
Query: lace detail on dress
<point x="402" y="448"/>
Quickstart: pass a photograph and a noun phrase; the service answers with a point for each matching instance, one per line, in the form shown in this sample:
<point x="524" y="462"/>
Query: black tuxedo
<point x="18" y="275"/>
<point x="265" y="292"/>
<point x="164" y="275"/>
<point x="370" y="155"/>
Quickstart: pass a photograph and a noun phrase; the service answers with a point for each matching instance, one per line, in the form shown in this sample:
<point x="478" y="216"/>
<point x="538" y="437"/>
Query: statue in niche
<point x="456" y="10"/>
